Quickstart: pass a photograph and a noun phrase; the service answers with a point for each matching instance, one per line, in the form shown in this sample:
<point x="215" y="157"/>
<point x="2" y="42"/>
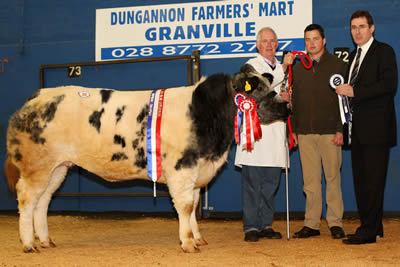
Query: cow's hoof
<point x="31" y="249"/>
<point x="189" y="248"/>
<point x="47" y="244"/>
<point x="201" y="242"/>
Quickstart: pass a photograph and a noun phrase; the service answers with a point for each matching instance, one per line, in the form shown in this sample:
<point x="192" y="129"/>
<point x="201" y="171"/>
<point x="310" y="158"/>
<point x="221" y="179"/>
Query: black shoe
<point x="337" y="232"/>
<point x="270" y="233"/>
<point x="358" y="240"/>
<point x="251" y="236"/>
<point x="378" y="235"/>
<point x="306" y="232"/>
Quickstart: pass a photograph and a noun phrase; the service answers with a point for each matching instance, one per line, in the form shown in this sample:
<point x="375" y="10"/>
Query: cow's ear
<point x="246" y="68"/>
<point x="269" y="77"/>
<point x="251" y="84"/>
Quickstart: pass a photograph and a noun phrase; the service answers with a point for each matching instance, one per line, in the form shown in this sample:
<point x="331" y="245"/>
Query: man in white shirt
<point x="261" y="168"/>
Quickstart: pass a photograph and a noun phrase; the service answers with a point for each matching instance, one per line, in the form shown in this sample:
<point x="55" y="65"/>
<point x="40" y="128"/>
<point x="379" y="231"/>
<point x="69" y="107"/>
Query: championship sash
<point x="153" y="135"/>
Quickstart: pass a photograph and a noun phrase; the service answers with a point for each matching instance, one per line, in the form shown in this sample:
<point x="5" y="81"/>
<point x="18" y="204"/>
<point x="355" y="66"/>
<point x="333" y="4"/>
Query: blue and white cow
<point x="104" y="132"/>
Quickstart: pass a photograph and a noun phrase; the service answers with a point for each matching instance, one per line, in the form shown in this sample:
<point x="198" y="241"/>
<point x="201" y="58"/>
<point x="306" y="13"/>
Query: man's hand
<point x="345" y="89"/>
<point x="285" y="95"/>
<point x="288" y="60"/>
<point x="338" y="139"/>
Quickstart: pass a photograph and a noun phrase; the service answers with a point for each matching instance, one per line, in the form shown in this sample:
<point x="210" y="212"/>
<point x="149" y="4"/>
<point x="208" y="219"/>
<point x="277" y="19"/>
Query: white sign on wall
<point x="219" y="29"/>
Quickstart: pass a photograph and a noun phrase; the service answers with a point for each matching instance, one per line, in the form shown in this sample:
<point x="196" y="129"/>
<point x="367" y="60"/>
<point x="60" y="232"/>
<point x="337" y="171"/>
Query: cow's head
<point x="270" y="106"/>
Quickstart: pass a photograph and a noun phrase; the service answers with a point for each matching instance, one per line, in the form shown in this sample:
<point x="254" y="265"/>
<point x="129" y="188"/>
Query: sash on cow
<point x="153" y="136"/>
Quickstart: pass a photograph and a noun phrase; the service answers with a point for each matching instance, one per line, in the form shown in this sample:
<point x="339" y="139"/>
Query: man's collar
<point x="269" y="61"/>
<point x="366" y="46"/>
<point x="318" y="58"/>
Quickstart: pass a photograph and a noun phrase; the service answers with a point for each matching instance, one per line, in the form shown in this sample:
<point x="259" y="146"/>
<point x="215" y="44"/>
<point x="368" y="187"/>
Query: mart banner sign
<point x="219" y="29"/>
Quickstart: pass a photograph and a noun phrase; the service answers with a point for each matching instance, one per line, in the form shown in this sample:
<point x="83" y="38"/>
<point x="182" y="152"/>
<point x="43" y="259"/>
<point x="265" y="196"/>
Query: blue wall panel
<point x="34" y="33"/>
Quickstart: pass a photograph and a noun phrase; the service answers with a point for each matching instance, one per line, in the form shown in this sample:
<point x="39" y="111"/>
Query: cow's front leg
<point x="181" y="189"/>
<point x="188" y="243"/>
<point x="200" y="241"/>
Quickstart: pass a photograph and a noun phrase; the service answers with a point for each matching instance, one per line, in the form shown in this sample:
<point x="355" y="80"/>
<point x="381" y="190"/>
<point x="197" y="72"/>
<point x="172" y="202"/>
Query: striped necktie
<point x="356" y="67"/>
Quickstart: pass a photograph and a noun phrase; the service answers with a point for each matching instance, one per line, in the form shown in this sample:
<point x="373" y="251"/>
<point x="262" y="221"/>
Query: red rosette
<point x="249" y="107"/>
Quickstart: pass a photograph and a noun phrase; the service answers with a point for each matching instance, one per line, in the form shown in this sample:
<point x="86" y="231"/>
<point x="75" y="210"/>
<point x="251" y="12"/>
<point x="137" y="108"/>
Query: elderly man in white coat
<point x="262" y="167"/>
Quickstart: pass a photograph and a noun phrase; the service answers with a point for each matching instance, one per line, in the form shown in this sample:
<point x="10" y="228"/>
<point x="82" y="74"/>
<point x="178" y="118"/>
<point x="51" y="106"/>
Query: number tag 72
<point x="342" y="52"/>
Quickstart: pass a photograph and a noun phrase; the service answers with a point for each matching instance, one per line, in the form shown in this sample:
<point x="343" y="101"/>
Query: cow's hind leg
<point x="40" y="211"/>
<point x="29" y="190"/>
<point x="181" y="189"/>
<point x="200" y="241"/>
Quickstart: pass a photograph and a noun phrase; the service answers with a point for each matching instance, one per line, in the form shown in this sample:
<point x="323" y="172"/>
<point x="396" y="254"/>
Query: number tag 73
<point x="74" y="71"/>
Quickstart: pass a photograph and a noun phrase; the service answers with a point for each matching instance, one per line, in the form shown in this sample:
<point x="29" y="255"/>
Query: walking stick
<point x="287" y="86"/>
<point x="287" y="200"/>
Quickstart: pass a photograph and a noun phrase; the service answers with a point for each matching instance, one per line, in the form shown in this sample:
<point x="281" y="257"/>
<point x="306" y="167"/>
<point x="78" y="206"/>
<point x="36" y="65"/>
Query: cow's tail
<point x="12" y="174"/>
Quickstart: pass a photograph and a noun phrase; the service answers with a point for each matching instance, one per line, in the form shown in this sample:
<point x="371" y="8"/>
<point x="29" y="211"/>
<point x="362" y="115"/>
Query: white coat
<point x="272" y="149"/>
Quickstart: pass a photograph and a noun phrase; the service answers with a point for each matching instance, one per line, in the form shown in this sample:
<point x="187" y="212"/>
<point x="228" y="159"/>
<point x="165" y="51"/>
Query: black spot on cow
<point x="119" y="113"/>
<point x="105" y="95"/>
<point x="119" y="140"/>
<point x="17" y="122"/>
<point x="119" y="156"/>
<point x="189" y="159"/>
<point x="28" y="120"/>
<point x="143" y="114"/>
<point x="135" y="143"/>
<point x="17" y="155"/>
<point x="33" y="95"/>
<point x="50" y="108"/>
<point x="141" y="134"/>
<point x="36" y="131"/>
<point x="141" y="160"/>
<point x="212" y="112"/>
<point x="94" y="119"/>
<point x="31" y="121"/>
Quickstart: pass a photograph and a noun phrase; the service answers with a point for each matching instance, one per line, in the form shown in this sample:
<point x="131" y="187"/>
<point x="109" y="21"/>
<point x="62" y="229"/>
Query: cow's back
<point x="101" y="130"/>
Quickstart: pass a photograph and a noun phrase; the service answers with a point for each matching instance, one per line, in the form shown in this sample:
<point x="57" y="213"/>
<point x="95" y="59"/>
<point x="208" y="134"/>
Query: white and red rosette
<point x="247" y="108"/>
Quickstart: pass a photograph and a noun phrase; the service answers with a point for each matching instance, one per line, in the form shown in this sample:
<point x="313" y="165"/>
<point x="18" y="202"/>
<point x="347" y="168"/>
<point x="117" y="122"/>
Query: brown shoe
<point x="306" y="232"/>
<point x="337" y="232"/>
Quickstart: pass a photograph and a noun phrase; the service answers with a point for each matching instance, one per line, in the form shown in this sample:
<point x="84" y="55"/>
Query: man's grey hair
<point x="258" y="37"/>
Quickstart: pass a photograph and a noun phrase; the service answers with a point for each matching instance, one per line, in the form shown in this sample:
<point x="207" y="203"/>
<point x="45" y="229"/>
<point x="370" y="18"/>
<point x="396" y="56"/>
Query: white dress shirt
<point x="364" y="50"/>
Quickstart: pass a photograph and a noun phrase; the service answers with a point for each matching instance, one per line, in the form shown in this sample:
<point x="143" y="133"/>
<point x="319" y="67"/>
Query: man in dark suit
<point x="372" y="85"/>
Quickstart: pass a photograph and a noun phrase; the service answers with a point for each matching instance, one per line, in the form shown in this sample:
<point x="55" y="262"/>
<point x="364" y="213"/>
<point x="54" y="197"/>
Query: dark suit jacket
<point x="374" y="117"/>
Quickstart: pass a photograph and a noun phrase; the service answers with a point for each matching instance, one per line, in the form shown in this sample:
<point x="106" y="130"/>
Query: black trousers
<point x="370" y="164"/>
